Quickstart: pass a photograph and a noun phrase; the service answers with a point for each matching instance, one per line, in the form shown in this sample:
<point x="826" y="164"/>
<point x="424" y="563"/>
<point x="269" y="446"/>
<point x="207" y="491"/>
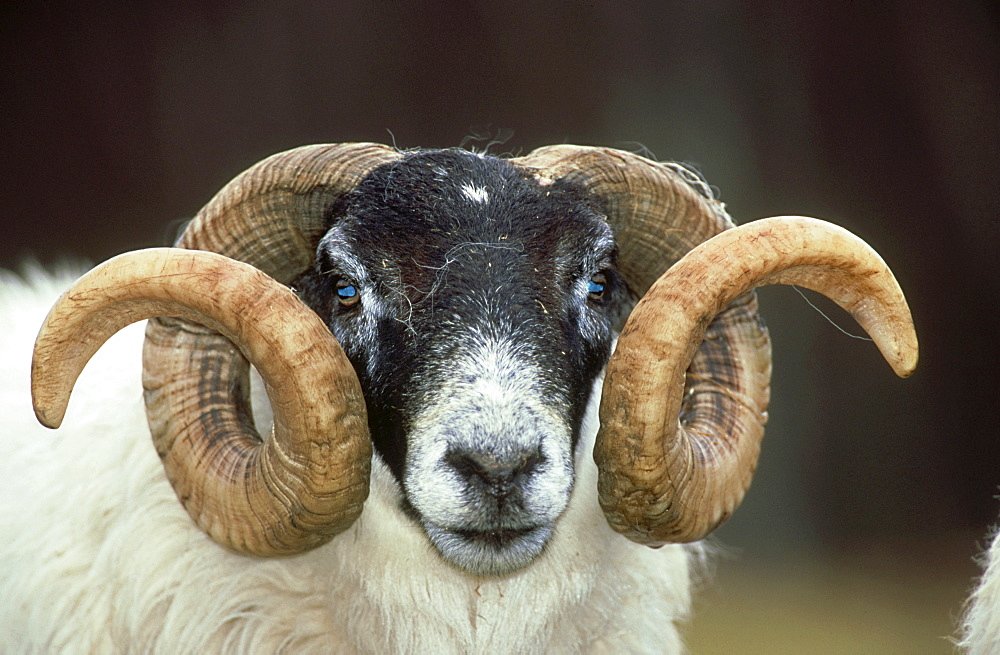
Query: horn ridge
<point x="682" y="417"/>
<point x="289" y="492"/>
<point x="655" y="212"/>
<point x="675" y="455"/>
<point x="271" y="216"/>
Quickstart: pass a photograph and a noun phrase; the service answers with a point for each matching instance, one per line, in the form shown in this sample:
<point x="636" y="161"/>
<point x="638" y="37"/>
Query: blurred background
<point x="873" y="494"/>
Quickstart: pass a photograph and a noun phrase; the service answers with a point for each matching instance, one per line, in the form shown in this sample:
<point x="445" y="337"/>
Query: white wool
<point x="981" y="630"/>
<point x="98" y="556"/>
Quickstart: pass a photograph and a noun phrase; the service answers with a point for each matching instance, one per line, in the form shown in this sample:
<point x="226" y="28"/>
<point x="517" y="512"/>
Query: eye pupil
<point x="347" y="293"/>
<point x="596" y="286"/>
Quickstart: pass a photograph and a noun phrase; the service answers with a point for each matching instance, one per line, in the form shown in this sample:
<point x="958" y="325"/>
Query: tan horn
<point x="658" y="212"/>
<point x="681" y="418"/>
<point x="294" y="490"/>
<point x="197" y="381"/>
<point x="721" y="389"/>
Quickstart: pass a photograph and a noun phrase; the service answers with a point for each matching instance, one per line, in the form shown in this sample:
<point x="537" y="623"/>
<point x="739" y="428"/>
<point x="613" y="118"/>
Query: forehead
<point x="433" y="201"/>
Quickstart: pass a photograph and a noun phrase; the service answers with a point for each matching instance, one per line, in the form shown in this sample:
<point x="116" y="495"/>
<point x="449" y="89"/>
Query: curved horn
<point x="676" y="457"/>
<point x="296" y="489"/>
<point x="271" y="217"/>
<point x="659" y="212"/>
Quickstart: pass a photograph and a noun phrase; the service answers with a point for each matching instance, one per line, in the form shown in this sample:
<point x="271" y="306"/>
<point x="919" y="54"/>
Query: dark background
<point x="120" y="121"/>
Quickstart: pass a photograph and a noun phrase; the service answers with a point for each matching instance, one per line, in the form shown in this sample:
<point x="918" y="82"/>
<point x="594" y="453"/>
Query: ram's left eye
<point x="596" y="286"/>
<point x="347" y="293"/>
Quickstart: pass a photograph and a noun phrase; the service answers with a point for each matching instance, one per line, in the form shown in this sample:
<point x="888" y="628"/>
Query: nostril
<point x="499" y="474"/>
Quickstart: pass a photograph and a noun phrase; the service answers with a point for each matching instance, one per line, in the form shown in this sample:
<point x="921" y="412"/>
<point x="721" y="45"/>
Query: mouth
<point x="489" y="552"/>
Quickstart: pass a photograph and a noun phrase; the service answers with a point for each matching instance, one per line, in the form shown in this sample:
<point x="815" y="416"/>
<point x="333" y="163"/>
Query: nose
<point x="498" y="474"/>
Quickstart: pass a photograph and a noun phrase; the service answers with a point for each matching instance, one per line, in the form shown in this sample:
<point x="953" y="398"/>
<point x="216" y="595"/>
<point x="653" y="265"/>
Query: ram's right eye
<point x="347" y="293"/>
<point x="595" y="288"/>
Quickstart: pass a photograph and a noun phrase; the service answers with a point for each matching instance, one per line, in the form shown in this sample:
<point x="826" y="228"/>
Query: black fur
<point x="441" y="265"/>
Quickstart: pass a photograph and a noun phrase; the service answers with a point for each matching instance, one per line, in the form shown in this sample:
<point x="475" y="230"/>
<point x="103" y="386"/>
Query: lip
<point x="490" y="552"/>
<point x="498" y="539"/>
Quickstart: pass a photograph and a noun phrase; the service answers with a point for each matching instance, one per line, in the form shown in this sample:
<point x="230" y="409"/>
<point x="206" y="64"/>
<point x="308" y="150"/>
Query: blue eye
<point x="596" y="286"/>
<point x="347" y="293"/>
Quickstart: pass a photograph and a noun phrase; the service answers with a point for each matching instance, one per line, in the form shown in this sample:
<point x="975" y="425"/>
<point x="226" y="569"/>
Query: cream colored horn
<point x="291" y="491"/>
<point x="682" y="420"/>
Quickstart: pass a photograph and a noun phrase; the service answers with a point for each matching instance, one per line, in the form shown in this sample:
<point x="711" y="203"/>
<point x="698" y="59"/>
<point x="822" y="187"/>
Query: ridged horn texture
<point x="197" y="382"/>
<point x="685" y="395"/>
<point x="307" y="482"/>
<point x="655" y="211"/>
<point x="686" y="392"/>
<point x="677" y="452"/>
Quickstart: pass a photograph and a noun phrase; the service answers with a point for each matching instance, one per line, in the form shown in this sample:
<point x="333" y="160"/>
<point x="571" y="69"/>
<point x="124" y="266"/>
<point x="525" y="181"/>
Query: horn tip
<point x="906" y="363"/>
<point x="48" y="403"/>
<point x="49" y="417"/>
<point x="904" y="355"/>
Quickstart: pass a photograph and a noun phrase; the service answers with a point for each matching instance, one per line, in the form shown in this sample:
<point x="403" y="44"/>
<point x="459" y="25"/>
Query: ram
<point x="471" y="449"/>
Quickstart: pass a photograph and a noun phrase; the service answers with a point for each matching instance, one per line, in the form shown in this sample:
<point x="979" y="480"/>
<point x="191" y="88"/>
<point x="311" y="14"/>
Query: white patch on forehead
<point x="476" y="194"/>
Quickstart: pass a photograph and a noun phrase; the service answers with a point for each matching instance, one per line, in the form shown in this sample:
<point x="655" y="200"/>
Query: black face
<point x="476" y="304"/>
